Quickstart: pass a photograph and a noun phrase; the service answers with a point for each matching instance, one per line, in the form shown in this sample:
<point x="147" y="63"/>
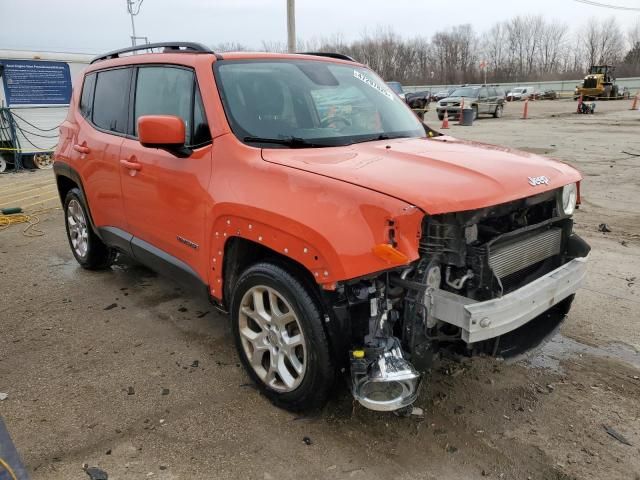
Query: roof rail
<point x="173" y="47"/>
<point x="339" y="56"/>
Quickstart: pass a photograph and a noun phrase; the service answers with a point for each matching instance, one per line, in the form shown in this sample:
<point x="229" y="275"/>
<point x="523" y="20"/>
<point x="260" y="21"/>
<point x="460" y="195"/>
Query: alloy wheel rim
<point x="272" y="338"/>
<point x="43" y="160"/>
<point x="77" y="224"/>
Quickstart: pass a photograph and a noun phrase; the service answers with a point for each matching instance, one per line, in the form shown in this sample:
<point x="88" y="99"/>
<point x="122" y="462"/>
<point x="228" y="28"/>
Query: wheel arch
<point x="239" y="241"/>
<point x="68" y="178"/>
<point x="241" y="253"/>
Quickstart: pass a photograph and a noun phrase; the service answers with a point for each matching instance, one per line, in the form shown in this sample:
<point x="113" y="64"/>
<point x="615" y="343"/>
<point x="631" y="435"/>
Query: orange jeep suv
<point x="341" y="234"/>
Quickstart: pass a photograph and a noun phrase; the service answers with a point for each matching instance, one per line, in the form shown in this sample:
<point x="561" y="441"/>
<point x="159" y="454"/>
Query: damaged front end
<point x="482" y="276"/>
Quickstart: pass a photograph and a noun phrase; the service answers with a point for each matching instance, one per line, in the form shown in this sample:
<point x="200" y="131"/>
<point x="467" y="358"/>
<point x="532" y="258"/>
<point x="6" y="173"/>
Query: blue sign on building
<point x="32" y="82"/>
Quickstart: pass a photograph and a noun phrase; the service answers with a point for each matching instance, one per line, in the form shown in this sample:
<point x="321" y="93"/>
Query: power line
<point x="608" y="5"/>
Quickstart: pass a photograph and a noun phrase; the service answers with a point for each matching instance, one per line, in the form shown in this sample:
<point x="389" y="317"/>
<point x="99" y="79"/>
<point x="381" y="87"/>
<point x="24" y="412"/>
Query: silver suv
<point x="483" y="100"/>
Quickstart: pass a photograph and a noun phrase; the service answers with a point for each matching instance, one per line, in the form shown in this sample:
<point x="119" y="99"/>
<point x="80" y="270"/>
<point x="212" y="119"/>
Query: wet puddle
<point x="560" y="348"/>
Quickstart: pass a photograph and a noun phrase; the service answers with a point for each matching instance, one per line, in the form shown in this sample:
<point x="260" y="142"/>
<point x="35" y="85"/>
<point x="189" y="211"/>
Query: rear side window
<point x="86" y="99"/>
<point x="111" y="100"/>
<point x="164" y="91"/>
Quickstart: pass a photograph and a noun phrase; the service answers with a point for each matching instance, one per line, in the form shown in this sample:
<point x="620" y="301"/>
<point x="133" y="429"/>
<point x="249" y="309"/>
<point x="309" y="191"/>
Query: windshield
<point x="465" y="92"/>
<point x="518" y="90"/>
<point x="306" y="103"/>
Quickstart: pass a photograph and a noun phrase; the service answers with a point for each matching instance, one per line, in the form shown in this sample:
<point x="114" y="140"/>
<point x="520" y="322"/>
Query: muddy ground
<point x="126" y="371"/>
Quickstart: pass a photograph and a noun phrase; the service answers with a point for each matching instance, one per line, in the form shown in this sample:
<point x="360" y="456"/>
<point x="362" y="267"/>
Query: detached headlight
<point x="569" y="198"/>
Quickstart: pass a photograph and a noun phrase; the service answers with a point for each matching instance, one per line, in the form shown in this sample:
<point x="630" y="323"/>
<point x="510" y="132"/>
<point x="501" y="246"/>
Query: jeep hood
<point x="438" y="175"/>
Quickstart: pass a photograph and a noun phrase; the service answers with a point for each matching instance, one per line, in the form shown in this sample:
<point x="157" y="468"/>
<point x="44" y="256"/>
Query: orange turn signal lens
<point x="389" y="254"/>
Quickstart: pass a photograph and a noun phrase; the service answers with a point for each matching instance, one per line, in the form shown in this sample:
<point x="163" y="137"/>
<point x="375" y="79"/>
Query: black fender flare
<point x="61" y="169"/>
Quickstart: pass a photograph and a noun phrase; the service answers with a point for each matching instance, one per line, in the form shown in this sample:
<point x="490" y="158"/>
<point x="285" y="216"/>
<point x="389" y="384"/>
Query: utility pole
<point x="133" y="7"/>
<point x="291" y="26"/>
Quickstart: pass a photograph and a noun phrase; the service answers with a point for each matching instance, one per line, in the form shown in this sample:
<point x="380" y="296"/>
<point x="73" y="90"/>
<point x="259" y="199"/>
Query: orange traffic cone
<point x="445" y="122"/>
<point x="635" y="103"/>
<point x="525" y="111"/>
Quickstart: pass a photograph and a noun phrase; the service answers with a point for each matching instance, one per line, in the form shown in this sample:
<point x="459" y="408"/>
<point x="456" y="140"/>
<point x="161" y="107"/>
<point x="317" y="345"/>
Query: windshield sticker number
<point x="386" y="92"/>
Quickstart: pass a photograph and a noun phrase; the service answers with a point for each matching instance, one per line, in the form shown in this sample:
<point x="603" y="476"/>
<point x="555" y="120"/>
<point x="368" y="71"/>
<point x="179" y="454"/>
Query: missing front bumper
<point x="480" y="321"/>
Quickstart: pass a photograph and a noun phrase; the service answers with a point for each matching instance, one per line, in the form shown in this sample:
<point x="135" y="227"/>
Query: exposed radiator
<point x="508" y="259"/>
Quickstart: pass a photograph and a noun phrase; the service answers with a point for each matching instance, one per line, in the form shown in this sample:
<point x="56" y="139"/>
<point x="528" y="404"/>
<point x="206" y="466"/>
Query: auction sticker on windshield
<point x="383" y="90"/>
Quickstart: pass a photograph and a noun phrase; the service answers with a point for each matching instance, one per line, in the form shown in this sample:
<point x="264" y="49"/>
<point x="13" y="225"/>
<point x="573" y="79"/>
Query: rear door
<point x="95" y="153"/>
<point x="166" y="197"/>
<point x="493" y="99"/>
<point x="483" y="99"/>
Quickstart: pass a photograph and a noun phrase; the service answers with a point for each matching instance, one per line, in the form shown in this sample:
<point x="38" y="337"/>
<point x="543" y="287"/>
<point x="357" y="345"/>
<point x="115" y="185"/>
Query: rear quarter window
<point x="86" y="99"/>
<point x="111" y="100"/>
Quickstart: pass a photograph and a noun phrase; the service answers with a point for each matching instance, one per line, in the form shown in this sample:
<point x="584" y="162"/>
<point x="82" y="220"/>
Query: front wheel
<point x="498" y="112"/>
<point x="475" y="112"/>
<point x="277" y="327"/>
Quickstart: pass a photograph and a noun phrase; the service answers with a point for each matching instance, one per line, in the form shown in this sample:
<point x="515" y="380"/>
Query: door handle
<point x="81" y="148"/>
<point x="131" y="165"/>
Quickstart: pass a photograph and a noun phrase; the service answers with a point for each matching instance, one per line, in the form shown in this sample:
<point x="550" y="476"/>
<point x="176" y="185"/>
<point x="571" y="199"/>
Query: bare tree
<point x="523" y="48"/>
<point x="552" y="47"/>
<point x="602" y="41"/>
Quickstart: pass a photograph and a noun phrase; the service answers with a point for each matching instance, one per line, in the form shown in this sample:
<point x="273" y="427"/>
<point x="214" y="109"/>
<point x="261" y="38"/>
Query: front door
<point x="166" y="197"/>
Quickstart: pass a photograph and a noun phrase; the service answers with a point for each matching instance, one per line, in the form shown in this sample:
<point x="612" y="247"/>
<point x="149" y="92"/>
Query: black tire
<point x="97" y="255"/>
<point x="440" y="117"/>
<point x="320" y="372"/>
<point x="475" y="112"/>
<point x="498" y="111"/>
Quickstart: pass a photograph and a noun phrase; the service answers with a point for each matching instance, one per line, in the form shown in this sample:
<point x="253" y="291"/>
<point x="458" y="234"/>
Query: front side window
<point x="164" y="91"/>
<point x="310" y="103"/>
<point x="111" y="100"/>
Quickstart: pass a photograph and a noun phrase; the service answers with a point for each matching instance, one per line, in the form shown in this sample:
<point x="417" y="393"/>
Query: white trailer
<point x="35" y="90"/>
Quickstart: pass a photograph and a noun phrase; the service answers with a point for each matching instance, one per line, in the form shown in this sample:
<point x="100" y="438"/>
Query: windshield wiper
<point x="382" y="136"/>
<point x="293" y="142"/>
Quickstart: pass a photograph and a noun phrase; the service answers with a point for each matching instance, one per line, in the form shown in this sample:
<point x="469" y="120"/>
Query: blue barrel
<point x="467" y="117"/>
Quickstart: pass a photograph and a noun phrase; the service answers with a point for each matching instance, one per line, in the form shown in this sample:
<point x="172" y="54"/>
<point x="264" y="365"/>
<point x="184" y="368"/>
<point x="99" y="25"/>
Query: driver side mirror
<point x="166" y="132"/>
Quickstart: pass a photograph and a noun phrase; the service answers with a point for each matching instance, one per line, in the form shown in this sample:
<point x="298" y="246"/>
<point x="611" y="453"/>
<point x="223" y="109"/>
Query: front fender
<point x="326" y="225"/>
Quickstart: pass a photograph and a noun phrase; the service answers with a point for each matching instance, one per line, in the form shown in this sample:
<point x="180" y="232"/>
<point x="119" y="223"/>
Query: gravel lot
<point x="126" y="371"/>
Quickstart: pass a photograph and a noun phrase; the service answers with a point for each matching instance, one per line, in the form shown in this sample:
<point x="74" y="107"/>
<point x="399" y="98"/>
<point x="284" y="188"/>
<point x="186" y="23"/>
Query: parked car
<point x="417" y="101"/>
<point x="519" y="93"/>
<point x="483" y="100"/>
<point x="544" y="95"/>
<point x="397" y="89"/>
<point x="305" y="199"/>
<point x="443" y="94"/>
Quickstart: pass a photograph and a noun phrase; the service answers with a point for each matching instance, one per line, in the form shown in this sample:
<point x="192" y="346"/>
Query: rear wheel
<point x="277" y="326"/>
<point x="85" y="245"/>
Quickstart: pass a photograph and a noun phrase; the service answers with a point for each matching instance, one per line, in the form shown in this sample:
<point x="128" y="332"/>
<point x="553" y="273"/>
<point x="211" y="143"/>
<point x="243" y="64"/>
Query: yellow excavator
<point x="599" y="83"/>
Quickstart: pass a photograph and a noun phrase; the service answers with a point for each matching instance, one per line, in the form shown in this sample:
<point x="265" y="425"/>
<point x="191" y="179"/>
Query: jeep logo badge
<point x="534" y="181"/>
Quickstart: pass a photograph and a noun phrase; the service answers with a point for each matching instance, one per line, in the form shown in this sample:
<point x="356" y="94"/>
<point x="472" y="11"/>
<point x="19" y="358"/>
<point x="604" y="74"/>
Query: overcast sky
<point x="95" y="26"/>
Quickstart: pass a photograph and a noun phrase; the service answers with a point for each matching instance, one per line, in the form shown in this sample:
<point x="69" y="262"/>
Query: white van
<point x="520" y="93"/>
